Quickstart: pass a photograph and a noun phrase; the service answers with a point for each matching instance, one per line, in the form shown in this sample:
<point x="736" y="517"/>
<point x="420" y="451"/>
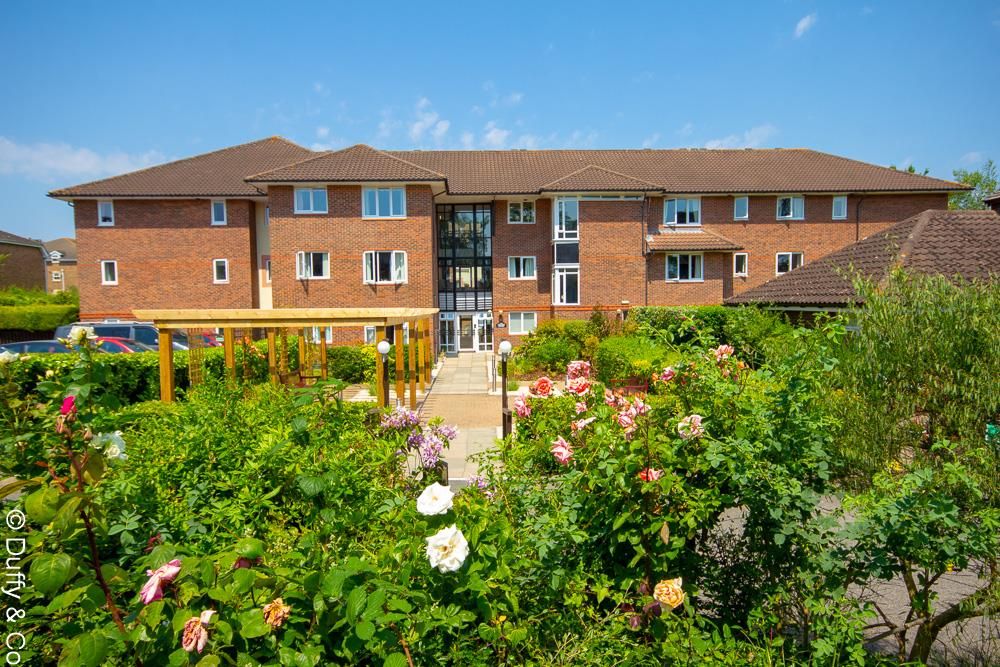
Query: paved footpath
<point x="460" y="395"/>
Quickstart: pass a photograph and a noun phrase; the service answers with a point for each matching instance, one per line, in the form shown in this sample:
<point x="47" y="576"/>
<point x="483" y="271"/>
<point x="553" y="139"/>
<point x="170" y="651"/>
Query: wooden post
<point x="379" y="337"/>
<point x="431" y="348"/>
<point x="229" y="349"/>
<point x="322" y="353"/>
<point x="414" y="337"/>
<point x="302" y="353"/>
<point x="272" y="356"/>
<point x="421" y="353"/>
<point x="166" y="366"/>
<point x="397" y="336"/>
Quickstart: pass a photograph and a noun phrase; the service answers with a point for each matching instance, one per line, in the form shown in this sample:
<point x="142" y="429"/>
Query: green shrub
<point x="681" y="324"/>
<point x="37" y="317"/>
<point x="758" y="335"/>
<point x="620" y="357"/>
<point x="18" y="296"/>
<point x="351" y="363"/>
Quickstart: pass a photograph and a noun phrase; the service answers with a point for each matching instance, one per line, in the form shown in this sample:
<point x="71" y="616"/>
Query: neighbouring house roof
<point x="993" y="197"/>
<point x="233" y="172"/>
<point x="356" y="163"/>
<point x="65" y="246"/>
<point x="221" y="173"/>
<point x="950" y="243"/>
<point x="14" y="239"/>
<point x="695" y="239"/>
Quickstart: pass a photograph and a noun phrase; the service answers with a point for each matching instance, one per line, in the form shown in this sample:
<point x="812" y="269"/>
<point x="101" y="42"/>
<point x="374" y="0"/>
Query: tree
<point x="911" y="170"/>
<point x="984" y="182"/>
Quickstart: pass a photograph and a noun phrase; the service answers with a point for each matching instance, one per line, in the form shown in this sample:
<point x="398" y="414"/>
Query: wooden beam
<point x="322" y="353"/>
<point x="272" y="356"/>
<point x="229" y="350"/>
<point x="380" y="391"/>
<point x="421" y="353"/>
<point x="302" y="353"/>
<point x="247" y="318"/>
<point x="414" y="337"/>
<point x="397" y="335"/>
<point x="431" y="347"/>
<point x="166" y="366"/>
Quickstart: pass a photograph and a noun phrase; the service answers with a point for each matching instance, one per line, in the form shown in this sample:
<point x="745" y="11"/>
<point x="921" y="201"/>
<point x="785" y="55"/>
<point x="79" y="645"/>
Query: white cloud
<point x="493" y="136"/>
<point x="752" y="138"/>
<point x="49" y="161"/>
<point x="428" y="119"/>
<point x="972" y="157"/>
<point x="514" y="98"/>
<point x="686" y="129"/>
<point x="804" y="24"/>
<point x="528" y="141"/>
<point x="468" y="141"/>
<point x="651" y="140"/>
<point x="322" y="132"/>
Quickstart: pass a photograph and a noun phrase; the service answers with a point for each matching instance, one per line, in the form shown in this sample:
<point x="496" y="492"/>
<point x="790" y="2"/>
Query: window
<point x="218" y="212"/>
<point x="521" y="268"/>
<point x="791" y="208"/>
<point x="220" y="271"/>
<point x="109" y="272"/>
<point x="741" y="208"/>
<point x="567" y="253"/>
<point x="685" y="268"/>
<point x="522" y="323"/>
<point x="312" y="265"/>
<point x="786" y="261"/>
<point x="369" y="335"/>
<point x="310" y="200"/>
<point x="740" y="264"/>
<point x="267" y="215"/>
<point x="567" y="219"/>
<point x="682" y="212"/>
<point x="105" y="214"/>
<point x="566" y="287"/>
<point x="383" y="203"/>
<point x="840" y="207"/>
<point x="265" y="263"/>
<point x="57" y="276"/>
<point x="521" y="212"/>
<point x="386" y="266"/>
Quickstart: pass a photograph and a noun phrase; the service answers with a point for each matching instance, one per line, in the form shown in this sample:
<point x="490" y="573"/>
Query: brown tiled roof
<point x="221" y="173"/>
<point x="691" y="239"/>
<point x="598" y="179"/>
<point x="949" y="243"/>
<point x="992" y="197"/>
<point x="65" y="246"/>
<point x="680" y="171"/>
<point x="14" y="239"/>
<point x="356" y="163"/>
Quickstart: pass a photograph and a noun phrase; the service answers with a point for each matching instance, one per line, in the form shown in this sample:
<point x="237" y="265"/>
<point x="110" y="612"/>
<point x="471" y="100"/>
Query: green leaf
<point x="209" y="661"/>
<point x="64" y="600"/>
<point x="356" y="603"/>
<point x="395" y="660"/>
<point x="50" y="571"/>
<point x="250" y="547"/>
<point x="252" y="624"/>
<point x="243" y="580"/>
<point x="42" y="505"/>
<point x="311" y="486"/>
<point x="93" y="649"/>
<point x="365" y="630"/>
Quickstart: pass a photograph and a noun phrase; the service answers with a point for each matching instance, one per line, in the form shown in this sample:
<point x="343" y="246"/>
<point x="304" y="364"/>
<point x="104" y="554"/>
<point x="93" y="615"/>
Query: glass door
<point x="448" y="333"/>
<point x="466" y="335"/>
<point x="484" y="331"/>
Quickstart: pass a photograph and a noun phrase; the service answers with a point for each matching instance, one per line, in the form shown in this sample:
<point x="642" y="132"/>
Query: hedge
<point x="38" y="317"/>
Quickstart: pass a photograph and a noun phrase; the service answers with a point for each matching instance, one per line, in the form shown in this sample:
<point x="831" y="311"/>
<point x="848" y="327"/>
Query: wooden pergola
<point x="281" y="320"/>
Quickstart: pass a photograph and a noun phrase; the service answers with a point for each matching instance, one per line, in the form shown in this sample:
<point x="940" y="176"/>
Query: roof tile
<point x="356" y="163"/>
<point x="694" y="239"/>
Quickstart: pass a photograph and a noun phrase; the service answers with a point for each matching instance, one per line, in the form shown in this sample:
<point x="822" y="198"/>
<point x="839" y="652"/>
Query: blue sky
<point x="94" y="89"/>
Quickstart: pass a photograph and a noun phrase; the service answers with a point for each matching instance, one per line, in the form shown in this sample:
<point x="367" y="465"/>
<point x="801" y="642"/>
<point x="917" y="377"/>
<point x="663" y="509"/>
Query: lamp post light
<point x="505" y="348"/>
<point x="383" y="349"/>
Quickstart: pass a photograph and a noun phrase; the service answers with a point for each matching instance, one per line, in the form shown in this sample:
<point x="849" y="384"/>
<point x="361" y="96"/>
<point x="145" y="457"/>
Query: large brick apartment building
<point x="486" y="236"/>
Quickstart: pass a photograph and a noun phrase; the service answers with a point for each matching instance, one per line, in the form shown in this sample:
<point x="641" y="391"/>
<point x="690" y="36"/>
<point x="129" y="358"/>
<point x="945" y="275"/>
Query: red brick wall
<point x="522" y="240"/>
<point x="69" y="280"/>
<point x="23" y="266"/>
<point x="164" y="250"/>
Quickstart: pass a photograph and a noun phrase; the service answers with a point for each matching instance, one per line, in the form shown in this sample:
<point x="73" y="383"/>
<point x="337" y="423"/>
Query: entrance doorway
<point x="466" y="332"/>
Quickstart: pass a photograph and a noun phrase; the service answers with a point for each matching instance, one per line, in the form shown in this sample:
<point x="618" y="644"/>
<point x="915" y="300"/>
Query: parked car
<point x="143" y="332"/>
<point x="122" y="345"/>
<point x="35" y="347"/>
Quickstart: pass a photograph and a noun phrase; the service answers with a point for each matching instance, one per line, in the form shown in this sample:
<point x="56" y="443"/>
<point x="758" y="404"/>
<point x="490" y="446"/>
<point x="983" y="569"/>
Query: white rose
<point x="447" y="549"/>
<point x="7" y="356"/>
<point x="77" y="335"/>
<point x="112" y="452"/>
<point x="436" y="499"/>
<point x="112" y="444"/>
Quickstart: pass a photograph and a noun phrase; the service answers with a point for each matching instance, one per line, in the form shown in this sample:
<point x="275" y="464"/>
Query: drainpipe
<point x="645" y="252"/>
<point x="857" y="220"/>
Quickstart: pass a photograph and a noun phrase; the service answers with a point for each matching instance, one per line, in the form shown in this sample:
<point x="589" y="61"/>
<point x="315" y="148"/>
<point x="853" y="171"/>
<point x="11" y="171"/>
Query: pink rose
<point x="650" y="474"/>
<point x="581" y="407"/>
<point x="723" y="352"/>
<point x="541" y="387"/>
<point x="152" y="590"/>
<point x="521" y="407"/>
<point x="577" y="369"/>
<point x="68" y="408"/>
<point x="690" y="427"/>
<point x="640" y="407"/>
<point x="668" y="374"/>
<point x="562" y="450"/>
<point x="195" y="635"/>
<point x="579" y="386"/>
<point x="580" y="424"/>
<point x="626" y="422"/>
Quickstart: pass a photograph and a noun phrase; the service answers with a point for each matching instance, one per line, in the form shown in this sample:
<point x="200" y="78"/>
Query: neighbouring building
<point x="488" y="237"/>
<point x="60" y="264"/>
<point x="959" y="244"/>
<point x="993" y="201"/>
<point x="22" y="262"/>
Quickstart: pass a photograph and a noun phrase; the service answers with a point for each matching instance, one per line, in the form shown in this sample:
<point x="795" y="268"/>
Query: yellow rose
<point x="669" y="592"/>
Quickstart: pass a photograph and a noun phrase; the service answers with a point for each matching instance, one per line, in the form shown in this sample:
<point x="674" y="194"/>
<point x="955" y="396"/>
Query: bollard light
<point x="383" y="349"/>
<point x="505" y="348"/>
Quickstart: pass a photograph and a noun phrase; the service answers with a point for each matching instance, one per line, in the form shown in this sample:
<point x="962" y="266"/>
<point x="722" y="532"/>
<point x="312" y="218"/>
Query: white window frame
<point x="369" y="267"/>
<point x="267" y="271"/>
<point x="380" y="214"/>
<point x="520" y="316"/>
<point x="790" y="253"/>
<point x="519" y="261"/>
<point x="215" y="271"/>
<point x="111" y="204"/>
<point x="792" y="216"/>
<point x="557" y="287"/>
<point x="746" y="202"/>
<point x="689" y="255"/>
<point x="57" y="276"/>
<point x="225" y="214"/>
<point x="674" y="223"/>
<point x="520" y="207"/>
<point x="559" y="233"/>
<point x="104" y="274"/>
<point x="370" y="335"/>
<point x="746" y="264"/>
<point x="312" y="203"/>
<point x="833" y="212"/>
<point x="303" y="265"/>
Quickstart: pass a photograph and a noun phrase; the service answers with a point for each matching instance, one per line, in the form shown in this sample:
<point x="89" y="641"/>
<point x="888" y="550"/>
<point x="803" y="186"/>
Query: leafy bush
<point x="620" y="357"/>
<point x="682" y="324"/>
<point x="37" y="317"/>
<point x="19" y="296"/>
<point x="351" y="363"/>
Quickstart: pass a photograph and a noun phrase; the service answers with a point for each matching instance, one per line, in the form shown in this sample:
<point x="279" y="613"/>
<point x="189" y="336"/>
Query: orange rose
<point x="669" y="592"/>
<point x="542" y="387"/>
